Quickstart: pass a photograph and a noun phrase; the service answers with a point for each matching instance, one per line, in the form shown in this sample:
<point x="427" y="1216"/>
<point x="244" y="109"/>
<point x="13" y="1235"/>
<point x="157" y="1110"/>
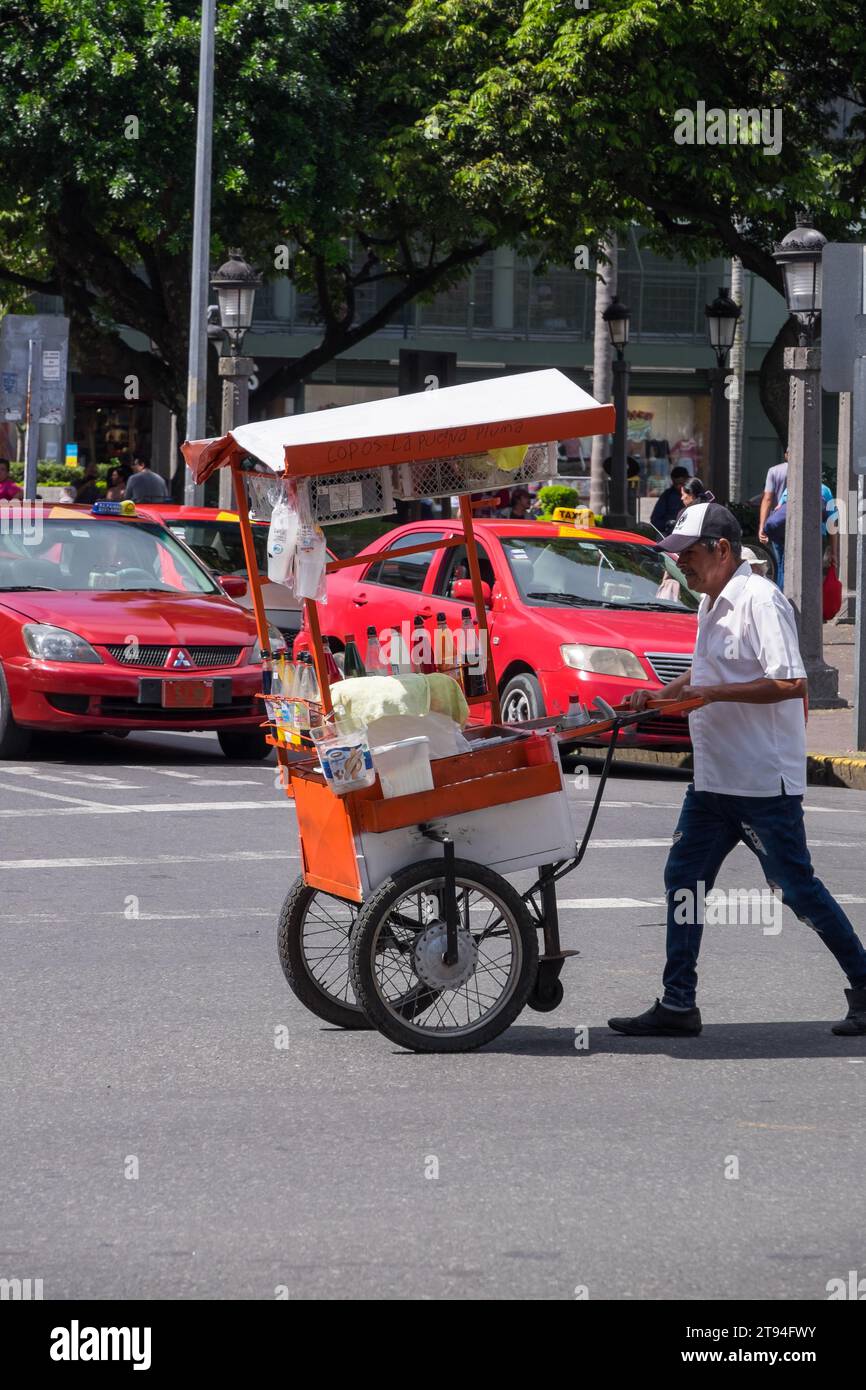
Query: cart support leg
<point x="547" y="880"/>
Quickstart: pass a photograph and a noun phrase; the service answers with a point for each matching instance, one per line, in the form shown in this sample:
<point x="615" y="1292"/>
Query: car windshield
<point x="218" y="544"/>
<point x="99" y="555"/>
<point x="580" y="572"/>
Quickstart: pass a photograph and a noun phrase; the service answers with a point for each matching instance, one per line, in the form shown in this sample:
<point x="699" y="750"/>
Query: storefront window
<point x="662" y="431"/>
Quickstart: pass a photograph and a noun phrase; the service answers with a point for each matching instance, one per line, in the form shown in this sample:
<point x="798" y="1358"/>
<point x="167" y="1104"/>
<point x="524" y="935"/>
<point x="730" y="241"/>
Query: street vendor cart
<point x="404" y="917"/>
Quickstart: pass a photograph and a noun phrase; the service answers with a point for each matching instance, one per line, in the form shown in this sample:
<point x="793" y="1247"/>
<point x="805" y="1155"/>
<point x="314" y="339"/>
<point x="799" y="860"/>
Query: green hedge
<point x="52" y="474"/>
<point x="556" y="495"/>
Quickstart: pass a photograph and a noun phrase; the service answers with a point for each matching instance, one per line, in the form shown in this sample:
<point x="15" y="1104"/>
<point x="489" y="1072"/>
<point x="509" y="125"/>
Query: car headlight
<point x="277" y="641"/>
<point x="603" y="661"/>
<point x="49" y="643"/>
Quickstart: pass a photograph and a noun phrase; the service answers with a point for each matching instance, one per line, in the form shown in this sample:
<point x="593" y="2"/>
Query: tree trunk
<point x="738" y="373"/>
<point x="602" y="372"/>
<point x="774" y="381"/>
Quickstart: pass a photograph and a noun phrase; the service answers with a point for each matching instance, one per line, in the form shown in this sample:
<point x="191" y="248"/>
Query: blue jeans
<point x="709" y="827"/>
<point x="779" y="555"/>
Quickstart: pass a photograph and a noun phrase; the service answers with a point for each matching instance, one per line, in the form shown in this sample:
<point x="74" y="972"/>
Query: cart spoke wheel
<point x="313" y="941"/>
<point x="397" y="958"/>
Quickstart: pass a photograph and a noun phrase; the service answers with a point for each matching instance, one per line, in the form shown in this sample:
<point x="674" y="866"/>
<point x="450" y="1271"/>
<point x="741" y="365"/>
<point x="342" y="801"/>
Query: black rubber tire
<point x="14" y="741"/>
<point x="527" y="688"/>
<point x="247" y="746"/>
<point x="362" y="956"/>
<point x="547" y="1002"/>
<point x="302" y="982"/>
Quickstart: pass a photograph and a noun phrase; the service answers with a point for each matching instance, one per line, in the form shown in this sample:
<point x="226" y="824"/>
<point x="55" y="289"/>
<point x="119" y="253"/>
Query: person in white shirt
<point x="749" y="740"/>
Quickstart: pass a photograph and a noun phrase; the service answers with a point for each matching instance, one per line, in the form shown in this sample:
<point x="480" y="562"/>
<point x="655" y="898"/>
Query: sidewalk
<point x="833" y="758"/>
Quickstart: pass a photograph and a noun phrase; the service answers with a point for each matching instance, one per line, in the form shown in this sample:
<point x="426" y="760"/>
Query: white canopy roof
<point x="525" y="408"/>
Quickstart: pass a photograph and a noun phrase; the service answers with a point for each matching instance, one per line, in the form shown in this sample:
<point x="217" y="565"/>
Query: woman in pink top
<point x="9" y="491"/>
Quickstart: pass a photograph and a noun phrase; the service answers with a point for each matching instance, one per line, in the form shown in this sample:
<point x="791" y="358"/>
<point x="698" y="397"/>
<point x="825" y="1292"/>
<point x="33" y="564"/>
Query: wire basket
<point x="446" y="477"/>
<point x="349" y="496"/>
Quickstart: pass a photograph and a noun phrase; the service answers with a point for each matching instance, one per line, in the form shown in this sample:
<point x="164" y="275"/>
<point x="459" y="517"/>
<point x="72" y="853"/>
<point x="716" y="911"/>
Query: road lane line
<point x="49" y="796"/>
<point x="106" y="809"/>
<point x="121" y="861"/>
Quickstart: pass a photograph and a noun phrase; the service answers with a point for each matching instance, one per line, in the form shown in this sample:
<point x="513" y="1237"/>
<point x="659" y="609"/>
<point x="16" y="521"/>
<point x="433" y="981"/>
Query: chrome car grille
<point x="153" y="657"/>
<point x="668" y="665"/>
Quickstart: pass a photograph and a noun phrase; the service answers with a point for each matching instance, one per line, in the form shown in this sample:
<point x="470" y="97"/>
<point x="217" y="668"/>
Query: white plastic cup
<point x="404" y="767"/>
<point x="346" y="763"/>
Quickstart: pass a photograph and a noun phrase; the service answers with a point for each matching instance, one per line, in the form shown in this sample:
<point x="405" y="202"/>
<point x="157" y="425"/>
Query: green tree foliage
<point x="322" y="136"/>
<point x="421" y="134"/>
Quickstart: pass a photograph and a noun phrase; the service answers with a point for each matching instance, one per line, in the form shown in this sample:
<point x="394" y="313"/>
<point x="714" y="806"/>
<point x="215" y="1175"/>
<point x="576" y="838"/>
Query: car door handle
<point x="426" y="612"/>
<point x="359" y="600"/>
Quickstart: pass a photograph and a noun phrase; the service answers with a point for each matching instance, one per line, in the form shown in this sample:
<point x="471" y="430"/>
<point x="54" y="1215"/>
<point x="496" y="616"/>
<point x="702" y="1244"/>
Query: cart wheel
<point x="398" y="973"/>
<point x="313" y="942"/>
<point x="546" y="1000"/>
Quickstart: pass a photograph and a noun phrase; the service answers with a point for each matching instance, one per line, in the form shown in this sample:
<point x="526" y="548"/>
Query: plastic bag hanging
<point x="311" y="553"/>
<point x="283" y="538"/>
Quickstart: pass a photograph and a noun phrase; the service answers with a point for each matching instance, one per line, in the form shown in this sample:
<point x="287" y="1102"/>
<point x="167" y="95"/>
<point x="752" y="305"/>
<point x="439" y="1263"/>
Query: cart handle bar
<point x="625" y="715"/>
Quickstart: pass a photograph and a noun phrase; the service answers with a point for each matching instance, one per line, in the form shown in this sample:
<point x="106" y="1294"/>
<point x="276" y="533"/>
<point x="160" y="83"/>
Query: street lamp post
<point x="799" y="256"/>
<point x="235" y="283"/>
<point x="196" y="391"/>
<point x="617" y="316"/>
<point x="722" y="316"/>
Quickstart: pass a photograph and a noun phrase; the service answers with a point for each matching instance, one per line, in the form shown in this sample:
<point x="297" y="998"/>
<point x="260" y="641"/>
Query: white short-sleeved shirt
<point x="743" y="749"/>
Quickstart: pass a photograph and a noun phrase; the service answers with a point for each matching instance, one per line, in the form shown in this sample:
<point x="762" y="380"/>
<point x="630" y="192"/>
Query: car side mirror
<point x="462" y="591"/>
<point x="233" y="585"/>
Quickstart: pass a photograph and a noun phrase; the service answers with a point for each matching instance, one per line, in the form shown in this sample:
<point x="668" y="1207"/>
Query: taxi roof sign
<point x="575" y="516"/>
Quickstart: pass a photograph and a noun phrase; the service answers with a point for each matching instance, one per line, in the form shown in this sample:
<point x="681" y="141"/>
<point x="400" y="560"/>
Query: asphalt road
<point x="140" y="996"/>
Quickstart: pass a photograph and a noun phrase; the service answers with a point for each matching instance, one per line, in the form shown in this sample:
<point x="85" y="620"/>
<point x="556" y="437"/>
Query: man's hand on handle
<point x="676" y="690"/>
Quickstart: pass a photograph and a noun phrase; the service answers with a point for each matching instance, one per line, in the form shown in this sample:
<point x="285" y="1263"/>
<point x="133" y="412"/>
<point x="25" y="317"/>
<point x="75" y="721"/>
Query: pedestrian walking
<point x="775" y="484"/>
<point x="670" y="502"/>
<point x="749" y="767"/>
<point x="145" y="485"/>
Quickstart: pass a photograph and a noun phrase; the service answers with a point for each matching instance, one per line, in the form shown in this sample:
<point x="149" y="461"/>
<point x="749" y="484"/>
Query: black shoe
<point x="854" y="1021"/>
<point x="659" y="1022"/>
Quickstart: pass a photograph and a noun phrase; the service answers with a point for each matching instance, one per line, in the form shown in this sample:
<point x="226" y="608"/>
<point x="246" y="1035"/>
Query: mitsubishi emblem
<point x="181" y="661"/>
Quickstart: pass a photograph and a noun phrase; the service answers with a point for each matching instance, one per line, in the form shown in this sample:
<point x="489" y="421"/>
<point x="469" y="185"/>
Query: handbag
<point x="831" y="594"/>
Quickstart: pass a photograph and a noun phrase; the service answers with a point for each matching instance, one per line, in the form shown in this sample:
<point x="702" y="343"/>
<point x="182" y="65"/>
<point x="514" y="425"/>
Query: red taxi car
<point x="570" y="611"/>
<point x="215" y="536"/>
<point x="110" y="624"/>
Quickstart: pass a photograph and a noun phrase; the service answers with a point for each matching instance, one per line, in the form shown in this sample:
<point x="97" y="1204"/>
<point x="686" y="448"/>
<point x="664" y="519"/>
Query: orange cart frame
<point x="486" y="782"/>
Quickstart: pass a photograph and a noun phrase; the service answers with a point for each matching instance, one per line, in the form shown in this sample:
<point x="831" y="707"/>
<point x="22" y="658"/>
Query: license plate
<point x="187" y="694"/>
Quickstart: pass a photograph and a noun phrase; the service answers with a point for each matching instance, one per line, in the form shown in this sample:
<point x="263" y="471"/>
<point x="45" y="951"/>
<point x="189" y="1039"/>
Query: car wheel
<point x="522" y="699"/>
<point x="249" y="745"/>
<point x="14" y="741"/>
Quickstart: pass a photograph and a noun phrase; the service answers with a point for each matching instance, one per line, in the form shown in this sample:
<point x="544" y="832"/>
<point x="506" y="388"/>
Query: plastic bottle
<point x="373" y="663"/>
<point x="306" y="692"/>
<point x="401" y="655"/>
<point x="312" y="695"/>
<point x="468" y="639"/>
<point x="477" y="678"/>
<point x="332" y="670"/>
<point x="352" y="663"/>
<point x="419" y="662"/>
<point x="284" y="685"/>
<point x="443" y="648"/>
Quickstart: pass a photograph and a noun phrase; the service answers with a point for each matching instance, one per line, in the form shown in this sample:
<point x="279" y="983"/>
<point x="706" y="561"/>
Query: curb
<point x="822" y="769"/>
